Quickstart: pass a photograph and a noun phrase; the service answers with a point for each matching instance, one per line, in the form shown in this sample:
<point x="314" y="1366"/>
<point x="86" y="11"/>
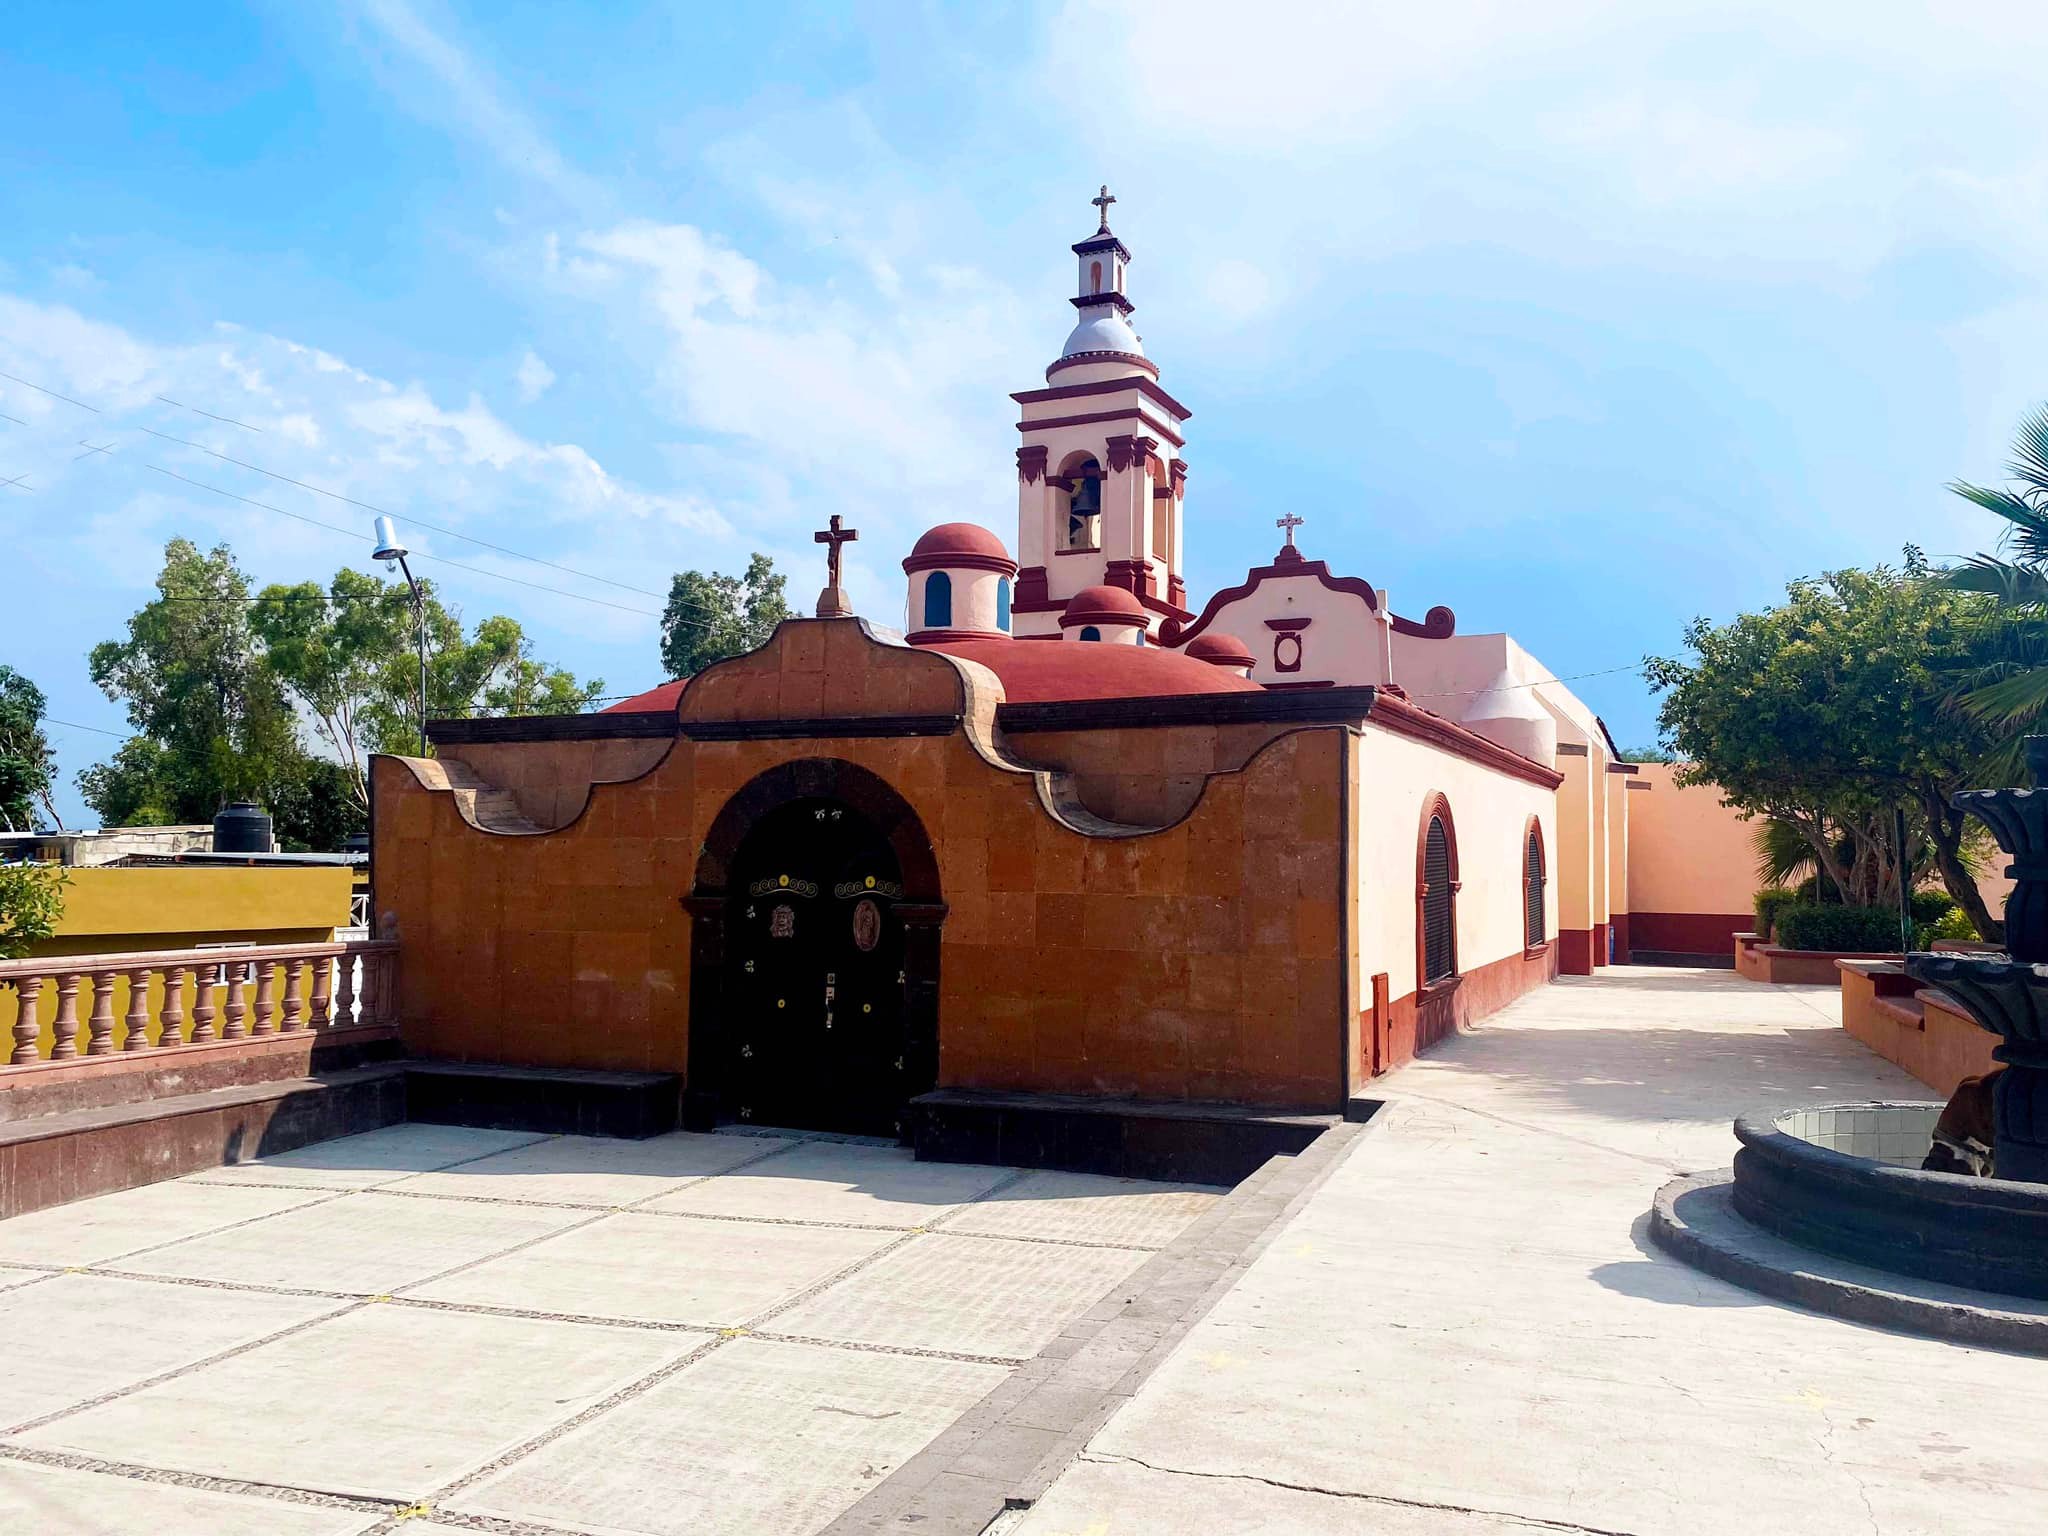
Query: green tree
<point x="709" y="618"/>
<point x="337" y="652"/>
<point x="489" y="671"/>
<point x="1828" y="711"/>
<point x="31" y="901"/>
<point x="217" y="724"/>
<point x="1648" y="755"/>
<point x="27" y="765"/>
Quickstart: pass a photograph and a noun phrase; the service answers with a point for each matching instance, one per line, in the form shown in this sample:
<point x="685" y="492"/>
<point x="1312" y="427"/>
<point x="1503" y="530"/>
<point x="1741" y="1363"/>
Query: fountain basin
<point x="1845" y="1179"/>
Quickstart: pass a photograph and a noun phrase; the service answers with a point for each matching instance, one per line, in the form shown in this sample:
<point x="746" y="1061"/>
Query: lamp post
<point x="393" y="553"/>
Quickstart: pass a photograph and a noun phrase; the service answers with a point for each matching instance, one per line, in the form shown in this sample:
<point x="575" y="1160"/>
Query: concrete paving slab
<point x="968" y="1295"/>
<point x="383" y="1402"/>
<point x="1467" y="1317"/>
<point x="107" y="1226"/>
<point x="364" y="1245"/>
<point x="60" y="1501"/>
<point x="1097" y="1498"/>
<point x="77" y="1336"/>
<point x="1089" y="1208"/>
<point x="375" y="1157"/>
<point x="589" y="1170"/>
<point x="758" y="1439"/>
<point x="662" y="1269"/>
<point x="840" y="1181"/>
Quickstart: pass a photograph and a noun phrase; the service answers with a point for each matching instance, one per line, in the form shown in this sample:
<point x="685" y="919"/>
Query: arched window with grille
<point x="1533" y="883"/>
<point x="1436" y="895"/>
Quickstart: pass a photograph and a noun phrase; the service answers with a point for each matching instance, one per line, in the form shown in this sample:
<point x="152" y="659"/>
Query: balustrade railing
<point x="193" y="997"/>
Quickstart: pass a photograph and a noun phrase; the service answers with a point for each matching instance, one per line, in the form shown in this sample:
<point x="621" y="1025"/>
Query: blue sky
<point x="1580" y="319"/>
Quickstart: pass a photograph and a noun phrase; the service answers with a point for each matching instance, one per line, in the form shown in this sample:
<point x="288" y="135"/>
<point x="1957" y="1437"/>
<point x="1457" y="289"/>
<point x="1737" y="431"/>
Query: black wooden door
<point x="815" y="991"/>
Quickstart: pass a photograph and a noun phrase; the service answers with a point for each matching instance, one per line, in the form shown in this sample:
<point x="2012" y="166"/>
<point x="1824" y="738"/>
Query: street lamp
<point x="393" y="553"/>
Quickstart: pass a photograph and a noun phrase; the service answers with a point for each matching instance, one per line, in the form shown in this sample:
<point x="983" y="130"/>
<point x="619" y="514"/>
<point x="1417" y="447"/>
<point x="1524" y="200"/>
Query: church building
<point x="1073" y="830"/>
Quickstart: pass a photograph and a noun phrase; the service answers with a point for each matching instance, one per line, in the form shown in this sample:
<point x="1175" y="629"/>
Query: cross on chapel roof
<point x="1289" y="523"/>
<point x="832" y="603"/>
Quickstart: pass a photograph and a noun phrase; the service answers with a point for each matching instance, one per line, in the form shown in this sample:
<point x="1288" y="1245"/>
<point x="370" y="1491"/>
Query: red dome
<point x="1039" y="671"/>
<point x="1102" y="605"/>
<point x="960" y="544"/>
<point x="1219" y="650"/>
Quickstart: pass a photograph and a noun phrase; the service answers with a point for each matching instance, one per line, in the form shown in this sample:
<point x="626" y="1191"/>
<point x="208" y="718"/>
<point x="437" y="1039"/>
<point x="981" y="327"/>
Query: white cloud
<point x="534" y="377"/>
<point x="462" y="92"/>
<point x="318" y="419"/>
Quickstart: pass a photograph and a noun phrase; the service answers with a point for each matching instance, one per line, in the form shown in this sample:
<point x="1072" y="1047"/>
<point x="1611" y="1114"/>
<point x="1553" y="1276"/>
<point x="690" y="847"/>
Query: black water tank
<point x="241" y="827"/>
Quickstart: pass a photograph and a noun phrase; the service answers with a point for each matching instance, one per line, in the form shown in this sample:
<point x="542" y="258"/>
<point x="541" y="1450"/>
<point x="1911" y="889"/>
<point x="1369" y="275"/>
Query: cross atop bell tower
<point x="1102" y="203"/>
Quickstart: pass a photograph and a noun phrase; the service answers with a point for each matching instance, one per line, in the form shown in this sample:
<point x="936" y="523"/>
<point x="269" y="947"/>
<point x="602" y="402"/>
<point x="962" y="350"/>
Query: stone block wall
<point x="1199" y="962"/>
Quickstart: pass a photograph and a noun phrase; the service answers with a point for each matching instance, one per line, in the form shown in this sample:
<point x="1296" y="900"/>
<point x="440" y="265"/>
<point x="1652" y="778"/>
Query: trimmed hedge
<point x="1932" y="906"/>
<point x="1843" y="930"/>
<point x="1769" y="902"/>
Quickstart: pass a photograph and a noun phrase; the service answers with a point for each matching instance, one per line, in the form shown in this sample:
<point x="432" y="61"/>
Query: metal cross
<point x="1103" y="203"/>
<point x="1290" y="522"/>
<point x="834" y="536"/>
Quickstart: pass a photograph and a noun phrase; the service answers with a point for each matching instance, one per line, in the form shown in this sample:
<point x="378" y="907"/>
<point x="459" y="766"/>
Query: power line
<point x="98" y="730"/>
<point x="54" y="395"/>
<point x="1459" y="693"/>
<point x="368" y="506"/>
<point x="351" y="533"/>
<point x="181" y="405"/>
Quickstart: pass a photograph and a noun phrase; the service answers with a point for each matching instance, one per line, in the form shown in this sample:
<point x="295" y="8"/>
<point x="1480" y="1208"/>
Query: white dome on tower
<point x="1102" y="333"/>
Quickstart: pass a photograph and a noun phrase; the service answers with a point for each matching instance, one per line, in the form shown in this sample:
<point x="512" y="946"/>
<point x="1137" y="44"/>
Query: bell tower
<point x="1100" y="477"/>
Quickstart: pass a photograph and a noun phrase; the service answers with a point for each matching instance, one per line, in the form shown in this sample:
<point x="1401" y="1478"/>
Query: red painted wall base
<point x="1688" y="933"/>
<point x="1600" y="944"/>
<point x="1622" y="951"/>
<point x="1404" y="1032"/>
<point x="1575" y="951"/>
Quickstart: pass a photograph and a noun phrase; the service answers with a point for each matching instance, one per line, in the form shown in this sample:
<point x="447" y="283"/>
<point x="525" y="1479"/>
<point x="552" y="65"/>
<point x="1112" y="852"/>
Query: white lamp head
<point x="388" y="549"/>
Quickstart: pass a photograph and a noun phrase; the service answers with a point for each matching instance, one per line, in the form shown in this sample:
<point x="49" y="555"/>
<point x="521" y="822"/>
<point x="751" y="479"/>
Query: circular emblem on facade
<point x="867" y="925"/>
<point x="782" y="879"/>
<point x="871" y="882"/>
<point x="781" y="1002"/>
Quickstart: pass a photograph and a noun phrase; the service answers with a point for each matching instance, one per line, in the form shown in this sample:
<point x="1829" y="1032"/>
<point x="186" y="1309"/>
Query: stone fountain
<point x="2008" y="994"/>
<point x="1855" y="1208"/>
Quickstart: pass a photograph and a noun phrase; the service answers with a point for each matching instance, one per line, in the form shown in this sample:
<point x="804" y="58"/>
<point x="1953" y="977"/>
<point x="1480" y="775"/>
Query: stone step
<point x="1129" y="1138"/>
<point x="556" y="1100"/>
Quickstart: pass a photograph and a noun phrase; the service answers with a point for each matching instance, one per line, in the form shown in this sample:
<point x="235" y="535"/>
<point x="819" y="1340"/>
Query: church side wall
<point x="1490" y="813"/>
<point x="1199" y="962"/>
<point x="1691" y="867"/>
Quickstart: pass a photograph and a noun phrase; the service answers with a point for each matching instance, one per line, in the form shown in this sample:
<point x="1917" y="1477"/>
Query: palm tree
<point x="2009" y="684"/>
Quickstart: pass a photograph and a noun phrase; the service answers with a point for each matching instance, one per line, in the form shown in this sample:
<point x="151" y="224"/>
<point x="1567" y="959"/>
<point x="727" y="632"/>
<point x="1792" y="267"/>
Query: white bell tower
<point x="1100" y="478"/>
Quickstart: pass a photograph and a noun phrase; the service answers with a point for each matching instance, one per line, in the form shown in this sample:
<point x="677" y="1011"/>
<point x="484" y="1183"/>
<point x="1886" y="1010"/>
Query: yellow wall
<point x="107" y="910"/>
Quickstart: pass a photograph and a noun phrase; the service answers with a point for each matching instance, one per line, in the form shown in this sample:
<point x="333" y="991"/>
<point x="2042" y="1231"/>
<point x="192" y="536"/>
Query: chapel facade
<point x="1072" y="831"/>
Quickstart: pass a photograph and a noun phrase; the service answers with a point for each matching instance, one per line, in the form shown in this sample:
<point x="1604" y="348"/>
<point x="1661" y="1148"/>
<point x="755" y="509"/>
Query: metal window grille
<point x="1438" y="919"/>
<point x="1532" y="892"/>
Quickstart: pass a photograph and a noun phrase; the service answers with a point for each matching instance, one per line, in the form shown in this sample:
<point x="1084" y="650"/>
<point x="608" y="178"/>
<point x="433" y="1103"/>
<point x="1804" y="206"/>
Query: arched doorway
<point x="814" y="955"/>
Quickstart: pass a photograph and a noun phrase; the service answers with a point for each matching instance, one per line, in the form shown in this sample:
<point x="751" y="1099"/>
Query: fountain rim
<point x="1758" y="1131"/>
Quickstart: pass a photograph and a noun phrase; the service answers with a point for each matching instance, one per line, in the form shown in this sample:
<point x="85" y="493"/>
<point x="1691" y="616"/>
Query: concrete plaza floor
<point x="428" y="1329"/>
<point x="1465" y="1330"/>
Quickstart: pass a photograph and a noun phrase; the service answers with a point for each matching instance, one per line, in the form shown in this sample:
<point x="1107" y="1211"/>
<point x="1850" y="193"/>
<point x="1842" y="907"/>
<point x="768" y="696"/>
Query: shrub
<point x="1769" y="901"/>
<point x="1954" y="925"/>
<point x="31" y="901"/>
<point x="1932" y="906"/>
<point x="1845" y="930"/>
